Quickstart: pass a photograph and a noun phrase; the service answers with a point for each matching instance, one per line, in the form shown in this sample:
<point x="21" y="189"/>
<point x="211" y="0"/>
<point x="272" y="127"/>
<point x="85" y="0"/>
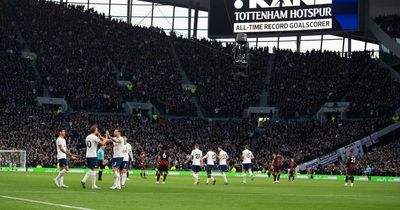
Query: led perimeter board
<point x="267" y="17"/>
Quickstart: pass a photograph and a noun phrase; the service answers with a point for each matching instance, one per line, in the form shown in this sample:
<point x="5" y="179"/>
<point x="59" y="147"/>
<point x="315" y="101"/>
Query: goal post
<point x="12" y="160"/>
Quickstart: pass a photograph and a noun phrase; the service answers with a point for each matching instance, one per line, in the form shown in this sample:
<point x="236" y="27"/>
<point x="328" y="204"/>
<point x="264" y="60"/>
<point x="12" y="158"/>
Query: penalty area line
<point x="42" y="202"/>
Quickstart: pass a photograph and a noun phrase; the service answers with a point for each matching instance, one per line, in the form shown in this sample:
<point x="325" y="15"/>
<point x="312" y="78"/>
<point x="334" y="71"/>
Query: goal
<point x="12" y="160"/>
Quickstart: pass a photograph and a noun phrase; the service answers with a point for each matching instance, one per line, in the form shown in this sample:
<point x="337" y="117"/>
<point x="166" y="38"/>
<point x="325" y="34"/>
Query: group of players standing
<point x="276" y="166"/>
<point x="122" y="155"/>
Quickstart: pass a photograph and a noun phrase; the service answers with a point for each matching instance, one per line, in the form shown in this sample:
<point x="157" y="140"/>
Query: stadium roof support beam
<point x="196" y="20"/>
<point x="190" y="20"/>
<point x="173" y="18"/>
<point x="349" y="45"/>
<point x="129" y="12"/>
<point x="109" y="9"/>
<point x="298" y="43"/>
<point x="322" y="41"/>
<point x="343" y="43"/>
<point x="152" y="13"/>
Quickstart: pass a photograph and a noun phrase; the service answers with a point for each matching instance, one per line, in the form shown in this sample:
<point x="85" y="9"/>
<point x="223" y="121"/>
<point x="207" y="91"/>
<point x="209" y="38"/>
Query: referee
<point x="100" y="157"/>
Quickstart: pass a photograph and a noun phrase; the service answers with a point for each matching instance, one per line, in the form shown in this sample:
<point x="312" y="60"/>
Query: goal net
<point x="12" y="160"/>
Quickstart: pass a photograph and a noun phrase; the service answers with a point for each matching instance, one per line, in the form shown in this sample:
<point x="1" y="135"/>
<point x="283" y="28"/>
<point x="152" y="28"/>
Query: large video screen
<point x="228" y="17"/>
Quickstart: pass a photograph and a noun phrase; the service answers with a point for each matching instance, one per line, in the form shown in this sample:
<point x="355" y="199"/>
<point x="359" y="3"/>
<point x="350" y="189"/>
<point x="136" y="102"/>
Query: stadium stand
<point x="82" y="54"/>
<point x="390" y="24"/>
<point x="301" y="83"/>
<point x="222" y="88"/>
<point x="383" y="160"/>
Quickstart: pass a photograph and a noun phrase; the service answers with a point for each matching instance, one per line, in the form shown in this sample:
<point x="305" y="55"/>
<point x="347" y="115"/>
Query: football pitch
<point x="20" y="190"/>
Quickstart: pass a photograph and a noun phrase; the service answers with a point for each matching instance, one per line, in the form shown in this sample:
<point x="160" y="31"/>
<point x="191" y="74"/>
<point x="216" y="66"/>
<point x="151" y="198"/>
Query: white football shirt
<point x="197" y="155"/>
<point x="247" y="156"/>
<point x="61" y="142"/>
<point x="91" y="145"/>
<point x="211" y="157"/>
<point x="126" y="151"/>
<point x="118" y="147"/>
<point x="223" y="156"/>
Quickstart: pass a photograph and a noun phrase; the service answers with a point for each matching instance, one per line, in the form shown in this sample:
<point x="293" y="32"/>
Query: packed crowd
<point x="302" y="141"/>
<point x="302" y="83"/>
<point x="83" y="54"/>
<point x="76" y="54"/>
<point x="18" y="84"/>
<point x="222" y="88"/>
<point x="145" y="58"/>
<point x="383" y="160"/>
<point x="375" y="94"/>
<point x="391" y="24"/>
<point x="70" y="59"/>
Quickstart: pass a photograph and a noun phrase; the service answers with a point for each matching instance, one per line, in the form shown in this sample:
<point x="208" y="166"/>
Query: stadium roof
<point x="377" y="8"/>
<point x="199" y="4"/>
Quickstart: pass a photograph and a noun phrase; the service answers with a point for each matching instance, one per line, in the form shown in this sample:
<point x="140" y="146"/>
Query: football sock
<point x="244" y="177"/>
<point x="347" y="179"/>
<point x="225" y="179"/>
<point x="123" y="178"/>
<point x="86" y="176"/>
<point x="274" y="178"/>
<point x="117" y="179"/>
<point x="100" y="174"/>
<point x="61" y="174"/>
<point x="61" y="181"/>
<point x="93" y="175"/>
<point x="165" y="177"/>
<point x="158" y="177"/>
<point x="279" y="177"/>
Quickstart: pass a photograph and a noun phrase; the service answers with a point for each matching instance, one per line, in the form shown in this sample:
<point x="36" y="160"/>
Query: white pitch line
<point x="45" y="203"/>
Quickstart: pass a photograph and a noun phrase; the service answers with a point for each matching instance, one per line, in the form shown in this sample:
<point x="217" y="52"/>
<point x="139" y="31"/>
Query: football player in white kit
<point x="247" y="157"/>
<point x="197" y="162"/>
<point x="62" y="153"/>
<point x="92" y="140"/>
<point x="211" y="157"/>
<point x="223" y="157"/>
<point x="118" y="146"/>
<point x="127" y="153"/>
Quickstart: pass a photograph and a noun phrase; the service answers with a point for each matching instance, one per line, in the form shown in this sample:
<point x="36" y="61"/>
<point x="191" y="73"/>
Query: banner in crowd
<point x="370" y="140"/>
<point x="310" y="164"/>
<point x="329" y="158"/>
<point x="355" y="146"/>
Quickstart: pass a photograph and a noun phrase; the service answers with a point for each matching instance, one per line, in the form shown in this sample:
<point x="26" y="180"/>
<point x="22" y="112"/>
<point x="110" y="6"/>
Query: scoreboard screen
<point x="228" y="17"/>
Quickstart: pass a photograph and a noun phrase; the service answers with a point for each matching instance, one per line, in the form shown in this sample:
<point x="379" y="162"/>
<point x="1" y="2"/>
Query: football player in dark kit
<point x="143" y="165"/>
<point x="277" y="167"/>
<point x="163" y="164"/>
<point x="350" y="168"/>
<point x="292" y="170"/>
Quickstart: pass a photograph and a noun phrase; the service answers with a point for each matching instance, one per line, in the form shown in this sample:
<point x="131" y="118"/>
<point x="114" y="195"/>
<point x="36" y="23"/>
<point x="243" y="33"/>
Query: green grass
<point x="180" y="193"/>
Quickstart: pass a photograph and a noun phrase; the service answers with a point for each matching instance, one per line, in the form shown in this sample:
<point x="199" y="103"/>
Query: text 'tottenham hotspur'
<point x="283" y="14"/>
